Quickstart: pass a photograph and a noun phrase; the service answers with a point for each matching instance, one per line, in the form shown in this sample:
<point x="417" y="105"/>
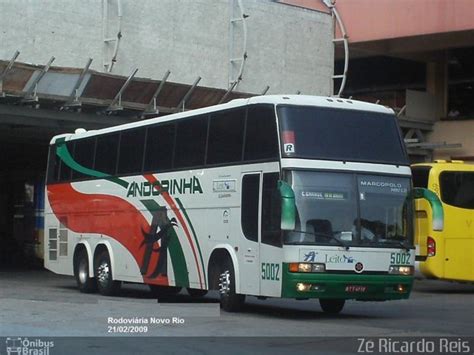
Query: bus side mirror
<point x="288" y="207"/>
<point x="436" y="206"/>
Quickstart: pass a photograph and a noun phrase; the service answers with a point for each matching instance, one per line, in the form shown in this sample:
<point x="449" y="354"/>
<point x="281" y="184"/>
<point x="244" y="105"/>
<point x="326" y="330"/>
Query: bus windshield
<point x="340" y="134"/>
<point x="348" y="209"/>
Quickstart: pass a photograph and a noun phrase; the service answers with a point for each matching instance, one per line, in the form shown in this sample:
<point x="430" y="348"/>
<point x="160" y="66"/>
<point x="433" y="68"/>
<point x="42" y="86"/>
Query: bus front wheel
<point x="103" y="271"/>
<point x="332" y="306"/>
<point x="85" y="283"/>
<point x="229" y="299"/>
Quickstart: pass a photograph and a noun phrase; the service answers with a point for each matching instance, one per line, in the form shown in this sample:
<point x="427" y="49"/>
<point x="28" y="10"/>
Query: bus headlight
<point x="401" y="270"/>
<point x="318" y="267"/>
<point x="303" y="287"/>
<point x="307" y="267"/>
<point x="306" y="287"/>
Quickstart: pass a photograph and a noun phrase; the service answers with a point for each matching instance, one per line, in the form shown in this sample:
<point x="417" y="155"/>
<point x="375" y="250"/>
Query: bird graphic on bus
<point x="310" y="256"/>
<point x="150" y="241"/>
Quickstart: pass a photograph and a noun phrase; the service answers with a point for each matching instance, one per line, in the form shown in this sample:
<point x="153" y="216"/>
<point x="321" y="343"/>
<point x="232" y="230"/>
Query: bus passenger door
<point x="248" y="253"/>
<point x="271" y="251"/>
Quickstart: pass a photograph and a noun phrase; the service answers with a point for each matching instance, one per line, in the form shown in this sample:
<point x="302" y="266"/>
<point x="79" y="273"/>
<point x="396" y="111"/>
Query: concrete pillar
<point x="437" y="84"/>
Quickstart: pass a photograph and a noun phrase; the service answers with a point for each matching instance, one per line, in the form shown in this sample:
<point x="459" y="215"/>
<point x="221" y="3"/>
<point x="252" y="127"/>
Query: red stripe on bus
<point x="103" y="214"/>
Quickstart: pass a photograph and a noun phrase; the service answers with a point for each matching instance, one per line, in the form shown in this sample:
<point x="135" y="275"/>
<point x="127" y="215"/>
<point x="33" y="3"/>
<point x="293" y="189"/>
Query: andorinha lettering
<point x="173" y="186"/>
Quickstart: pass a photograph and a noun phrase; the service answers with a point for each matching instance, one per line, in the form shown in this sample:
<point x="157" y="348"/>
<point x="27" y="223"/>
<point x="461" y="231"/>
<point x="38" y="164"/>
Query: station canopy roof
<point x="60" y="99"/>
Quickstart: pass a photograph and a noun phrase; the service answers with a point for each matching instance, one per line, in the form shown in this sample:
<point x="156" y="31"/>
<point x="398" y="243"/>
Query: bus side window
<point x="249" y="207"/>
<point x="65" y="171"/>
<point x="106" y="153"/>
<point x="53" y="165"/>
<point x="226" y="133"/>
<point x="271" y="210"/>
<point x="159" y="147"/>
<point x="132" y="143"/>
<point x="261" y="137"/>
<point x="83" y="155"/>
<point x="457" y="188"/>
<point x="190" y="148"/>
<point x="420" y="175"/>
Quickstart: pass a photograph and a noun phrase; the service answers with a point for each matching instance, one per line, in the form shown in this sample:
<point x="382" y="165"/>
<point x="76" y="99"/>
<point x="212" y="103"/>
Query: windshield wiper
<point x="324" y="235"/>
<point x="396" y="239"/>
<point x="403" y="245"/>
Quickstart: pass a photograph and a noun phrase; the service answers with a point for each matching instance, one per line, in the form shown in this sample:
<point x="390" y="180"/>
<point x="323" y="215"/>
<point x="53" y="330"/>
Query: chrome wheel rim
<point x="103" y="273"/>
<point x="224" y="283"/>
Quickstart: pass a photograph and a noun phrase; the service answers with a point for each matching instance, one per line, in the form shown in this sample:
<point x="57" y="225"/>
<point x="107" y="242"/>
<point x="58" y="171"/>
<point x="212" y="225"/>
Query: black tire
<point x="229" y="299"/>
<point x="85" y="283"/>
<point x="164" y="293"/>
<point x="106" y="284"/>
<point x="332" y="306"/>
<point x="196" y="292"/>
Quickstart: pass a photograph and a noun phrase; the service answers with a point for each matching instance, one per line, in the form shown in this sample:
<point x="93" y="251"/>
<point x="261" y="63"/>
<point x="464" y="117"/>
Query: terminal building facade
<point x="416" y="56"/>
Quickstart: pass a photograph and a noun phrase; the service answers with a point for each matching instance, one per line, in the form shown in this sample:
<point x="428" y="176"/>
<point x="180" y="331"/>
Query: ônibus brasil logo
<point x="173" y="187"/>
<point x="20" y="346"/>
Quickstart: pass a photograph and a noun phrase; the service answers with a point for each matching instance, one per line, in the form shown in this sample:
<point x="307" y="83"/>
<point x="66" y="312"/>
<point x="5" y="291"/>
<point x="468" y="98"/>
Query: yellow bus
<point x="447" y="253"/>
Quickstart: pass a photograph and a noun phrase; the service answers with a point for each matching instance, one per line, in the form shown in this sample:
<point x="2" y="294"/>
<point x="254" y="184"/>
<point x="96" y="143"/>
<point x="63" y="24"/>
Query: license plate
<point x="356" y="288"/>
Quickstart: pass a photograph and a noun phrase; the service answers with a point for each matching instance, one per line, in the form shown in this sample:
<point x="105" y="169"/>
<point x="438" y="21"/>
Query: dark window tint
<point x="340" y="134"/>
<point x="420" y="176"/>
<point x="271" y="210"/>
<point x="457" y="188"/>
<point x="132" y="144"/>
<point x="65" y="170"/>
<point x="261" y="138"/>
<point x="83" y="155"/>
<point x="53" y="165"/>
<point x="190" y="143"/>
<point x="159" y="147"/>
<point x="250" y="191"/>
<point x="226" y="132"/>
<point x="106" y="153"/>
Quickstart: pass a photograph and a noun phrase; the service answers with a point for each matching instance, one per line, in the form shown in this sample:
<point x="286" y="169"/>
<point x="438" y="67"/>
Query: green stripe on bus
<point x="63" y="153"/>
<point x="436" y="206"/>
<point x="176" y="251"/>
<point x="178" y="260"/>
<point x="195" y="238"/>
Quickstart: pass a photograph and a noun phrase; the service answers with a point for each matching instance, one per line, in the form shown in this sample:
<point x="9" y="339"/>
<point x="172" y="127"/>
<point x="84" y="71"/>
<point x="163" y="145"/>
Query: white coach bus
<point x="274" y="196"/>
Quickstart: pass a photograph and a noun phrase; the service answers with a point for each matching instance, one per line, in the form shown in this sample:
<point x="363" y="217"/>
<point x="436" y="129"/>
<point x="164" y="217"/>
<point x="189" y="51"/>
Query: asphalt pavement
<point x="42" y="305"/>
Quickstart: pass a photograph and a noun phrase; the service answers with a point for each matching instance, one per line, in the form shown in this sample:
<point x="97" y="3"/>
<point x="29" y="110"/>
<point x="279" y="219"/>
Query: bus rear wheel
<point x="332" y="306"/>
<point x="105" y="283"/>
<point x="229" y="299"/>
<point x="85" y="283"/>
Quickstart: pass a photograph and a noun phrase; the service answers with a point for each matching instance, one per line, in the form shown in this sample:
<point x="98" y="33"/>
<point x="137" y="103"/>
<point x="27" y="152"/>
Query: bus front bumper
<point x="363" y="287"/>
